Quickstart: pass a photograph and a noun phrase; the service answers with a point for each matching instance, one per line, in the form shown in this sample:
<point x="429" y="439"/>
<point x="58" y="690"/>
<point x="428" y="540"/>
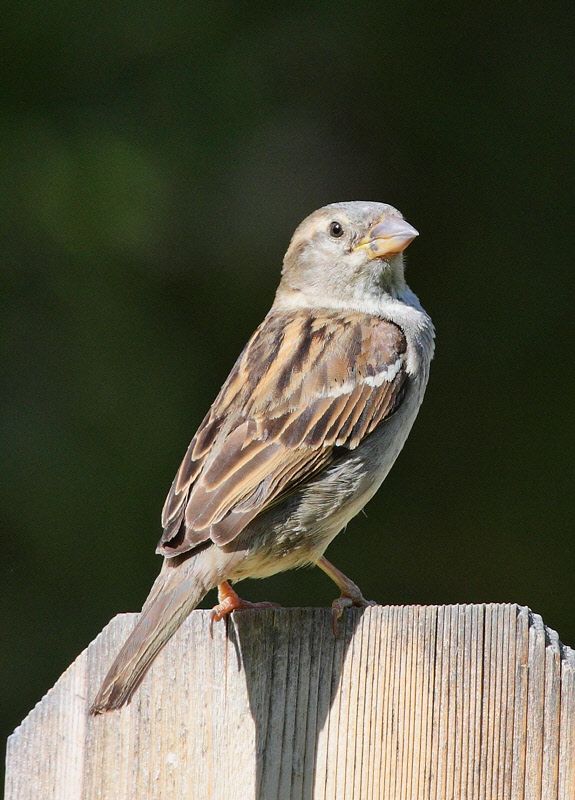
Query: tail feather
<point x="178" y="589"/>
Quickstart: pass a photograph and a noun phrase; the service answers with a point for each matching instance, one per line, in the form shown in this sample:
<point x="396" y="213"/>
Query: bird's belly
<point x="297" y="531"/>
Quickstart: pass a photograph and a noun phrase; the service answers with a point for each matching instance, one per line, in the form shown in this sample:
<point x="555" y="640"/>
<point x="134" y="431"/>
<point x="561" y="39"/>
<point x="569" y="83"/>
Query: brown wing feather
<point x="304" y="384"/>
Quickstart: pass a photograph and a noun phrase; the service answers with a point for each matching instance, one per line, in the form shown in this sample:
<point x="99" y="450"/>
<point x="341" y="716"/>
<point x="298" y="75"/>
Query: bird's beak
<point x="388" y="235"/>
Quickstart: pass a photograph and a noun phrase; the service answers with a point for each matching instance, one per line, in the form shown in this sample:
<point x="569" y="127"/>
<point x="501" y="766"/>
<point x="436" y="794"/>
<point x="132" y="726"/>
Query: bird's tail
<point x="178" y="589"/>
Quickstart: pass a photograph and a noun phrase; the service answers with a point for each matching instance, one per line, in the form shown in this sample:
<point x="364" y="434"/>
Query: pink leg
<point x="350" y="592"/>
<point x="228" y="601"/>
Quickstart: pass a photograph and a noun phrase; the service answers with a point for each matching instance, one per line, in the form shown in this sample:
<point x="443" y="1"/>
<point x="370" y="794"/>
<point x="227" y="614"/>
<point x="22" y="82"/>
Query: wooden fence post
<point x="405" y="703"/>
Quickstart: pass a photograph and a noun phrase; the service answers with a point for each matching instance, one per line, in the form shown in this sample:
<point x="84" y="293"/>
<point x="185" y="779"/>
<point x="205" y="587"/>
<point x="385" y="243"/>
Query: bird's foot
<point x="350" y="592"/>
<point x="229" y="601"/>
<point x="348" y="600"/>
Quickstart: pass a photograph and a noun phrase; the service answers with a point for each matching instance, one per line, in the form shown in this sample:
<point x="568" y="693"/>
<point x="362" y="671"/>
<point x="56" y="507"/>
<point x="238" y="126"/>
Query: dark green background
<point x="156" y="158"/>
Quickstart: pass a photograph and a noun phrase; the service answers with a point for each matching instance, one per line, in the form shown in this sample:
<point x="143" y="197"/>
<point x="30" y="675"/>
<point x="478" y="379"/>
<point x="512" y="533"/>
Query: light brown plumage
<point x="305" y="384"/>
<point x="304" y="430"/>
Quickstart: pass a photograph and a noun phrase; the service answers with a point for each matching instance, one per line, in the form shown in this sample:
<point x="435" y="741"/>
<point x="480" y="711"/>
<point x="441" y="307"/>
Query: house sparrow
<point x="302" y="434"/>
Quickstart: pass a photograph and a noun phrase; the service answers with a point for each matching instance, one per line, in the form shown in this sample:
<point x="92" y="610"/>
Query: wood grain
<point x="405" y="703"/>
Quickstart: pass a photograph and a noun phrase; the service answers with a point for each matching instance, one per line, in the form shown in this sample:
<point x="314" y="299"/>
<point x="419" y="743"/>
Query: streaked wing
<point x="305" y="384"/>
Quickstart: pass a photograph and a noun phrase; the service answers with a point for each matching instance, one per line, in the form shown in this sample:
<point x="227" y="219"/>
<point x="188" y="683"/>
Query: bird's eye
<point x="336" y="230"/>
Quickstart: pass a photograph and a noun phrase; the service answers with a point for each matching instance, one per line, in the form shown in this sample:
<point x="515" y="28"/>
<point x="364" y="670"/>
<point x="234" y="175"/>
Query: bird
<point x="303" y="432"/>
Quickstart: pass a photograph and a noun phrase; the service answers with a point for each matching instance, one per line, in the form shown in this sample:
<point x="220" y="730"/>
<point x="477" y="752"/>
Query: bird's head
<point x="348" y="252"/>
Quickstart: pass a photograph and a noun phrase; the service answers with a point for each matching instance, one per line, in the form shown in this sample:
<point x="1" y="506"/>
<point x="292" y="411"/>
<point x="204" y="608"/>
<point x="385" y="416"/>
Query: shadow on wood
<point x="406" y="702"/>
<point x="292" y="672"/>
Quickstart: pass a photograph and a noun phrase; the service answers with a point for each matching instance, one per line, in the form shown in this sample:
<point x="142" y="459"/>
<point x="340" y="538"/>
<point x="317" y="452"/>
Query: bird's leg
<point x="350" y="592"/>
<point x="228" y="601"/>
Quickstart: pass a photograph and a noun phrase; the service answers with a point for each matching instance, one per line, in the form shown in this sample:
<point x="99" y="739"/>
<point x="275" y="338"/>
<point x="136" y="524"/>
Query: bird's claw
<point x="231" y="603"/>
<point x="347" y="601"/>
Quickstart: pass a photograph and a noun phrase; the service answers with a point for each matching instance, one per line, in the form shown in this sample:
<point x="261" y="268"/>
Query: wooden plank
<point x="567" y="726"/>
<point x="520" y="704"/>
<point x="535" y="709"/>
<point x="405" y="703"/>
<point x="551" y="716"/>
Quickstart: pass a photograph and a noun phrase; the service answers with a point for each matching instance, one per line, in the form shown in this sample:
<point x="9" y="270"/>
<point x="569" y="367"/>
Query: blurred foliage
<point x="155" y="159"/>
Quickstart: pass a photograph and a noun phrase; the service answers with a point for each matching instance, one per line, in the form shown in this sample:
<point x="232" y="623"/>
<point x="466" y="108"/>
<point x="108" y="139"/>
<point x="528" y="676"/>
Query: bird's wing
<point x="305" y="384"/>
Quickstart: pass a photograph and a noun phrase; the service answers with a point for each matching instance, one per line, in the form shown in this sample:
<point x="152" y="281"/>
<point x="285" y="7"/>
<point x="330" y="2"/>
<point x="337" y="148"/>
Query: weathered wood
<point x="406" y="703"/>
